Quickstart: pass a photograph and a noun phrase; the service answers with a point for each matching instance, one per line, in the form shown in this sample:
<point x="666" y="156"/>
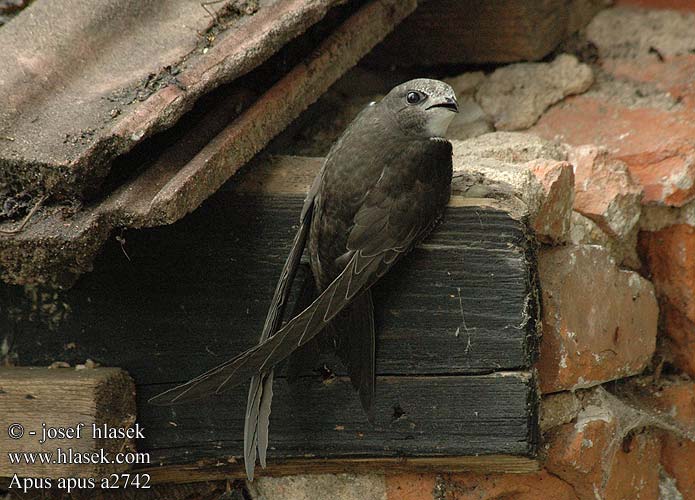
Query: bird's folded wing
<point x="358" y="275"/>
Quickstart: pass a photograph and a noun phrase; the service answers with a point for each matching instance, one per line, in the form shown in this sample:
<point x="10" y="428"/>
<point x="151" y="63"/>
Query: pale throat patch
<point x="438" y="120"/>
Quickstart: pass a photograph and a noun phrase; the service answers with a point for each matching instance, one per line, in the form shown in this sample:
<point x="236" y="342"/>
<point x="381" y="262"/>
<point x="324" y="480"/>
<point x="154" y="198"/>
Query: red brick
<point x="635" y="469"/>
<point x="516" y="486"/>
<point x="410" y="486"/>
<point x="575" y="452"/>
<point x="586" y="455"/>
<point x="676" y="397"/>
<point x="656" y="143"/>
<point x="678" y="459"/>
<point x="673" y="397"/>
<point x="605" y="191"/>
<point x="599" y="322"/>
<point x="669" y="255"/>
<point x="551" y="222"/>
<point x="681" y="337"/>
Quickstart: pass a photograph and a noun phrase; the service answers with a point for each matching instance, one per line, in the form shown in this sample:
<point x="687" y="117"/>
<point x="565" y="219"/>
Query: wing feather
<point x="304" y="326"/>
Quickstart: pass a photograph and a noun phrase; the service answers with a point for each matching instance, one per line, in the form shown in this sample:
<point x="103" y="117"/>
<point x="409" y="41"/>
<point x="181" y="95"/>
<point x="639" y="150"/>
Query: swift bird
<point x="382" y="188"/>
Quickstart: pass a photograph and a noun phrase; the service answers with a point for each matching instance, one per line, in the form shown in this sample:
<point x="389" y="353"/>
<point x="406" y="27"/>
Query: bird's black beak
<point x="448" y="103"/>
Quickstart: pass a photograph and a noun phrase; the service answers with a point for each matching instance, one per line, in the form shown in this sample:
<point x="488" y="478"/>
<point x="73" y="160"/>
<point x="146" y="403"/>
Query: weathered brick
<point x="592" y="455"/>
<point x="551" y="222"/>
<point x="673" y="396"/>
<point x="656" y="145"/>
<point x="680" y="340"/>
<point x="509" y="147"/>
<point x="520" y="166"/>
<point x="599" y="322"/>
<point x="624" y="32"/>
<point x="558" y="408"/>
<point x="604" y="190"/>
<point x="678" y="459"/>
<point x="666" y="85"/>
<point x="642" y="107"/>
<point x="577" y="452"/>
<point x="634" y="473"/>
<point x="584" y="231"/>
<point x="669" y="255"/>
<point x="410" y="486"/>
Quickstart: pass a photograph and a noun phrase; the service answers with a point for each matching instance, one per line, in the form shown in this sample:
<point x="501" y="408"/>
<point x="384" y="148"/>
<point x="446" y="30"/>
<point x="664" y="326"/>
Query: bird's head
<point x="422" y="107"/>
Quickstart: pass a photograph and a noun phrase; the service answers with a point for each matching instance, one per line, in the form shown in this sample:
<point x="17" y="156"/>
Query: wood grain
<point x="312" y="418"/>
<point x="32" y="397"/>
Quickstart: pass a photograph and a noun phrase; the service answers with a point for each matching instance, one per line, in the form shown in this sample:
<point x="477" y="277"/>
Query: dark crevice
<point x="11" y="8"/>
<point x="397" y="413"/>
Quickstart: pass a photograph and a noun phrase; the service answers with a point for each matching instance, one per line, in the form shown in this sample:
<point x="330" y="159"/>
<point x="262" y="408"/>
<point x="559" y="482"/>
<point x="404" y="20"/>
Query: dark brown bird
<point x="383" y="186"/>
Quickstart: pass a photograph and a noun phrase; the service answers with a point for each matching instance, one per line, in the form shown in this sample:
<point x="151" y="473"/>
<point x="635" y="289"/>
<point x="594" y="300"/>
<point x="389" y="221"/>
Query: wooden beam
<point x="488" y="464"/>
<point x="32" y="399"/>
<point x="416" y="416"/>
<point x="483" y="31"/>
<point x="456" y="335"/>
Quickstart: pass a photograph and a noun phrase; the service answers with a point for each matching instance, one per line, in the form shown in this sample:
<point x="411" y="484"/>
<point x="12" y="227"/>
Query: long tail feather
<point x="356" y="346"/>
<point x="276" y="348"/>
<point x="258" y="407"/>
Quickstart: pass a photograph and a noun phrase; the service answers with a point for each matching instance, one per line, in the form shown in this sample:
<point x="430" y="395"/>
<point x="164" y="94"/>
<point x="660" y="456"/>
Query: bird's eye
<point x="414" y="97"/>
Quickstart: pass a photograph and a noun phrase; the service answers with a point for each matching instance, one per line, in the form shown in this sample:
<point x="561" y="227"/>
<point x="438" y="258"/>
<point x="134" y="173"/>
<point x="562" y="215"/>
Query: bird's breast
<point x="357" y="165"/>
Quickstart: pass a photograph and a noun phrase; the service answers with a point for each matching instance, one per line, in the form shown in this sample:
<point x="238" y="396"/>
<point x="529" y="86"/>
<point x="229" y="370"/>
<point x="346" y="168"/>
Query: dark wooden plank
<point x="168" y="303"/>
<point x="415" y="416"/>
<point x="196" y="292"/>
